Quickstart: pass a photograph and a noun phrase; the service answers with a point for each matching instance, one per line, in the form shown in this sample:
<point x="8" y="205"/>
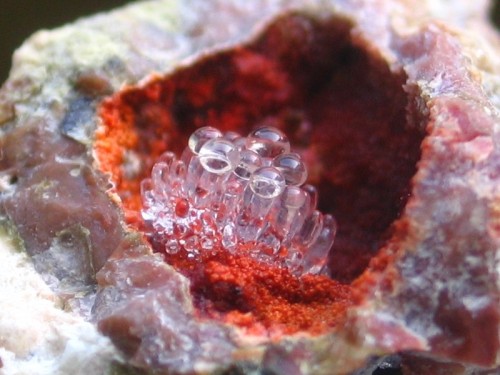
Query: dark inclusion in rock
<point x="80" y="113"/>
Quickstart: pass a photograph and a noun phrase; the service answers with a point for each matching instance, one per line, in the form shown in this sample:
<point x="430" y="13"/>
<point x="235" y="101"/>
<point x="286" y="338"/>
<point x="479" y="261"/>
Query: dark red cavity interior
<point x="343" y="110"/>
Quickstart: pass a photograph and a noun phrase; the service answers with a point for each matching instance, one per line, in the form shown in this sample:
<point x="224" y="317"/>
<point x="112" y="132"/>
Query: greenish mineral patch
<point x="10" y="235"/>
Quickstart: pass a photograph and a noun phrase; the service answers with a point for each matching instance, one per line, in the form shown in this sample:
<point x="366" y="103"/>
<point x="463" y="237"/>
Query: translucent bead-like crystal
<point x="267" y="182"/>
<point x="160" y="174"/>
<point x="172" y="247"/>
<point x="219" y="156"/>
<point x="268" y="142"/>
<point x="311" y="229"/>
<point x="202" y="136"/>
<point x="317" y="253"/>
<point x="197" y="140"/>
<point x="289" y="211"/>
<point x="292" y="168"/>
<point x="312" y="194"/>
<point x="249" y="162"/>
<point x="229" y="238"/>
<point x="177" y="176"/>
<point x="167" y="157"/>
<point x="192" y="244"/>
<point x="149" y="198"/>
<point x="227" y="190"/>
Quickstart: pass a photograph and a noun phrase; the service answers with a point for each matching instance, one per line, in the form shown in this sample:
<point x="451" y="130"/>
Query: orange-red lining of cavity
<point x="235" y="289"/>
<point x="343" y="110"/>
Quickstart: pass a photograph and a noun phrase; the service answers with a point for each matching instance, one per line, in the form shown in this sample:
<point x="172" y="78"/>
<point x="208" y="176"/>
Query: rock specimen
<point x="393" y="106"/>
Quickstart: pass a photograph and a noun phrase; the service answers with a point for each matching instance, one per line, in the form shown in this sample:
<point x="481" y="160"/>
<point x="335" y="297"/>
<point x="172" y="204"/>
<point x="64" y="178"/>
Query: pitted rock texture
<point x="398" y="110"/>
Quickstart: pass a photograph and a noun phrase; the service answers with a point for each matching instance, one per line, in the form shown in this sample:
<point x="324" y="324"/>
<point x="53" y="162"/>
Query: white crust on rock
<point x="36" y="335"/>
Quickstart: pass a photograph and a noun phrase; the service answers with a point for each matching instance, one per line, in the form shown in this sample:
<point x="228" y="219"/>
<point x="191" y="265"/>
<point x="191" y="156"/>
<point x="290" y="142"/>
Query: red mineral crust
<point x="398" y="125"/>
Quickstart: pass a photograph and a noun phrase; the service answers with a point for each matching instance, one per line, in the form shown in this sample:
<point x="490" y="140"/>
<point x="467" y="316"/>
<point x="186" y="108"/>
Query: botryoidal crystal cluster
<point x="241" y="194"/>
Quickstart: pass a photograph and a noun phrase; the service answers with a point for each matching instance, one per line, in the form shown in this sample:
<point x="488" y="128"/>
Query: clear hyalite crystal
<point x="227" y="190"/>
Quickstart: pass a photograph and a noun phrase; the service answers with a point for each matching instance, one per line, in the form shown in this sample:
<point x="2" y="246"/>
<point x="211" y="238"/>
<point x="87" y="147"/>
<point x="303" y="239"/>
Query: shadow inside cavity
<point x="343" y="109"/>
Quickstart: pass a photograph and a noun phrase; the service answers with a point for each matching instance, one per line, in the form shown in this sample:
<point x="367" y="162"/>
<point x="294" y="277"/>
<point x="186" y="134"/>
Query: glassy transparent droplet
<point x="294" y="197"/>
<point x="268" y="142"/>
<point x="310" y="229"/>
<point x="172" y="247"/>
<point x="288" y="218"/>
<point x="317" y="253"/>
<point x="312" y="193"/>
<point x="249" y="162"/>
<point x="267" y="182"/>
<point x="219" y="156"/>
<point x="270" y="242"/>
<point x="292" y="167"/>
<point x="207" y="243"/>
<point x="192" y="243"/>
<point x="201" y="136"/>
<point x="229" y="238"/>
<point x="167" y="157"/>
<point x="160" y="175"/>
